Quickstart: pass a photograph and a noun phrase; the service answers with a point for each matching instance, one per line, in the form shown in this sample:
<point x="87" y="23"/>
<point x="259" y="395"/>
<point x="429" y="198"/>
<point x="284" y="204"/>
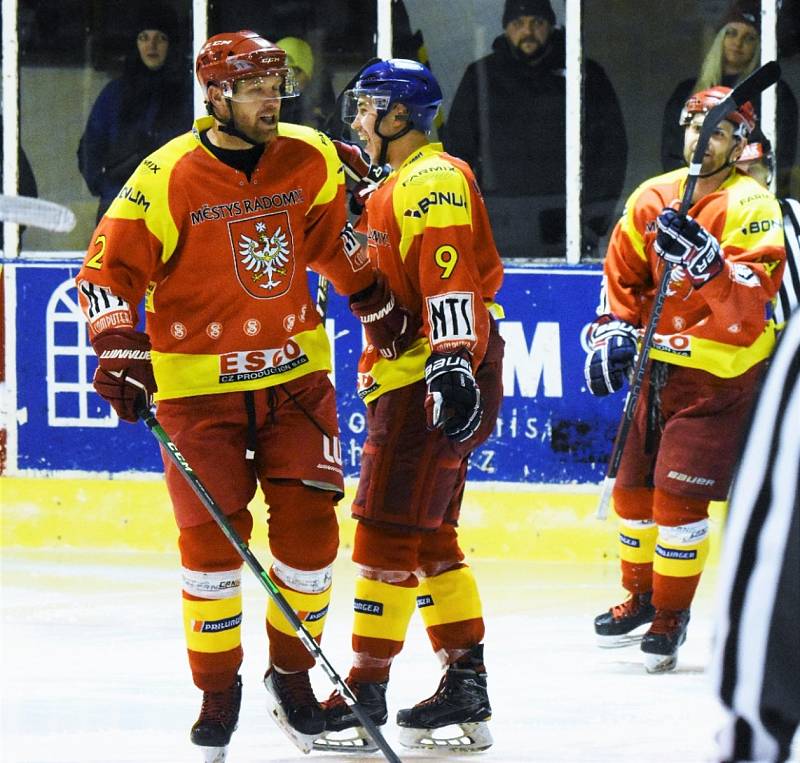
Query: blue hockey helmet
<point x="396" y="80"/>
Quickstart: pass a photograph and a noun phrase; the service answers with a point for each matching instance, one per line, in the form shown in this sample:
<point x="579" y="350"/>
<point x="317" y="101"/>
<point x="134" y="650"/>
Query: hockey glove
<point x="453" y="402"/>
<point x="612" y="352"/>
<point x="362" y="177"/>
<point x="387" y="325"/>
<point x="682" y="241"/>
<point x="124" y="374"/>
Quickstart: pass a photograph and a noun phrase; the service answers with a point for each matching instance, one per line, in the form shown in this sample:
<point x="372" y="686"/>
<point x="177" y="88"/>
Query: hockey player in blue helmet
<point x="428" y="236"/>
<point x="382" y="84"/>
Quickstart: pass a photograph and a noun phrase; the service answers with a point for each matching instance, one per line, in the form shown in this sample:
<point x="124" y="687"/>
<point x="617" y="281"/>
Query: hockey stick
<point x="746" y="90"/>
<point x="37" y="213"/>
<point x="274" y="592"/>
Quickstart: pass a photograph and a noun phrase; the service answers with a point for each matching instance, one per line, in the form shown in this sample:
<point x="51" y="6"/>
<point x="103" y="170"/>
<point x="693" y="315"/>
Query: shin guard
<point x="382" y="612"/>
<point x="681" y="554"/>
<point x="637" y="543"/>
<point x="308" y="593"/>
<point x="450" y="607"/>
<point x="213" y="626"/>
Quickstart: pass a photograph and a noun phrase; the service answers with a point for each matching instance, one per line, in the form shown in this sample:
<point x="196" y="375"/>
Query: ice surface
<point x="94" y="667"/>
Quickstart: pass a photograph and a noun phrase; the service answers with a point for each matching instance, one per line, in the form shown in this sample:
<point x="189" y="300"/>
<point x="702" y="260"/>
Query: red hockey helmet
<point x="743" y="118"/>
<point x="231" y="56"/>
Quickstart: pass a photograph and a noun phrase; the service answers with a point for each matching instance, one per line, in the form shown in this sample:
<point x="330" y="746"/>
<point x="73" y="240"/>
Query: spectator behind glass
<point x="508" y="121"/>
<point x="735" y="53"/>
<point x="315" y="105"/>
<point x="135" y="114"/>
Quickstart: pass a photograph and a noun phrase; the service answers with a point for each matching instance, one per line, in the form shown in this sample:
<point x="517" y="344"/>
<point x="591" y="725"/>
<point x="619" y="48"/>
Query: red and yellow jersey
<point x="221" y="261"/>
<point x="722" y="328"/>
<point x="428" y="232"/>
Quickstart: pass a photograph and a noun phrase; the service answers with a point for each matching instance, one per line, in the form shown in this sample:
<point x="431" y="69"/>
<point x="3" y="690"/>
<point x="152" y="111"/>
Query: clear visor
<point x="698" y="117"/>
<point x="357" y="103"/>
<point x="262" y="87"/>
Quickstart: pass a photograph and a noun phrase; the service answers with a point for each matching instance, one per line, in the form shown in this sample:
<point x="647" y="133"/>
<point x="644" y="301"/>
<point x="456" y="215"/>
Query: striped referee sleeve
<point x="756" y="638"/>
<point x="789" y="293"/>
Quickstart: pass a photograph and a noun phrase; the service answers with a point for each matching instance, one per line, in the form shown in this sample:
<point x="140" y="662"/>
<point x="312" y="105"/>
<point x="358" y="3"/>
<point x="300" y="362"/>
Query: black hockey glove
<point x="683" y="241"/>
<point x="453" y="402"/>
<point x="612" y="352"/>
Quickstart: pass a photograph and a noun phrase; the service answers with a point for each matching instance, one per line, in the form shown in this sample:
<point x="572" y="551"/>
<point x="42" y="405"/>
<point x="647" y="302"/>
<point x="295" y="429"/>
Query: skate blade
<point x="622" y="640"/>
<point x="354" y="739"/>
<point x="215" y="754"/>
<point x="660" y="663"/>
<point x="459" y="737"/>
<point x="303" y="742"/>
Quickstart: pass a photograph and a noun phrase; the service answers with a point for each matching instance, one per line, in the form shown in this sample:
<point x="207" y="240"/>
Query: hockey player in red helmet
<point x="215" y="232"/>
<point x="244" y="77"/>
<point x="711" y="345"/>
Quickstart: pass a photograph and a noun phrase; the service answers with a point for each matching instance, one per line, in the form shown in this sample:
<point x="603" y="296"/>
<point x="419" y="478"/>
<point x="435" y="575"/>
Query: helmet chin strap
<point x="387" y="139"/>
<point x="229" y="126"/>
<point x="724" y="165"/>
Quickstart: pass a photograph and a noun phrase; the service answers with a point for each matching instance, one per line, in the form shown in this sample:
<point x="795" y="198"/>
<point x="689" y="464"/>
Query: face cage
<point x="379" y="101"/>
<point x="290" y="88"/>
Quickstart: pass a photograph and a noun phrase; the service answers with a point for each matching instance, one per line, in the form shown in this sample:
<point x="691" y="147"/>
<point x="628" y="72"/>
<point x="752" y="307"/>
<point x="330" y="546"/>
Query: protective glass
<point x="358" y="103"/>
<point x="261" y="88"/>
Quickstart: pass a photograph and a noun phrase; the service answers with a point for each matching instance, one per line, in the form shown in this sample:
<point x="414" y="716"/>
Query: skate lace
<point x="219" y="706"/>
<point x="295" y="689"/>
<point x="441" y="691"/>
<point x="628" y="608"/>
<point x="666" y="622"/>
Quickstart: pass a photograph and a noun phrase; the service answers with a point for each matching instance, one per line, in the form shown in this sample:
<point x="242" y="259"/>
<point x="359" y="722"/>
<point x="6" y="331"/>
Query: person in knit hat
<point x="734" y="54"/>
<point x="141" y="110"/>
<point x="508" y="121"/>
<point x="315" y="104"/>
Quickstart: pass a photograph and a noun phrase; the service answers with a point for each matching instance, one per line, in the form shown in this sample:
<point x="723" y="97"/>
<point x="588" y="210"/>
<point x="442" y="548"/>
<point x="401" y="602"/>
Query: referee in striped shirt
<point x="756" y="660"/>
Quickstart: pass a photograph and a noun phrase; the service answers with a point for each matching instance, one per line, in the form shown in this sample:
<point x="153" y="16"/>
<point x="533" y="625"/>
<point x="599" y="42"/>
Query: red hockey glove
<point x="388" y="326"/>
<point x="453" y="402"/>
<point x="124" y="374"/>
<point x="362" y="177"/>
<point x="683" y="241"/>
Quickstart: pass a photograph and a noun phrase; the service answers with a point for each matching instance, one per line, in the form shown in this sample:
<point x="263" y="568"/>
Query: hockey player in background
<point x="215" y="230"/>
<point x="428" y="407"/>
<point x="756" y="659"/>
<point x="708" y="355"/>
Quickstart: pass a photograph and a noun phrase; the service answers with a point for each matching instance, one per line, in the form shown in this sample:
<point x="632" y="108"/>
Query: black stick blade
<point x="756" y="83"/>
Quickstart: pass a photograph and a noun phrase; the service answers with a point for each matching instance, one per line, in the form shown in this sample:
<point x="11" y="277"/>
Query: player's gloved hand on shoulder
<point x="363" y="177"/>
<point x="453" y="402"/>
<point x="683" y="241"/>
<point x="387" y="324"/>
<point x="612" y="352"/>
<point x="124" y="374"/>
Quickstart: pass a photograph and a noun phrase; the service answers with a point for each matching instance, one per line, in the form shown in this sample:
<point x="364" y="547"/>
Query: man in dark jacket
<point x="508" y="120"/>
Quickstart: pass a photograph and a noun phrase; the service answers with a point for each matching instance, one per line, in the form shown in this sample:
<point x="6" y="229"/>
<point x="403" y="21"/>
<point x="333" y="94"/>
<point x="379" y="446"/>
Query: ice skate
<point x="343" y="730"/>
<point x="219" y="716"/>
<point x="616" y="627"/>
<point x="660" y="644"/>
<point x="294" y="707"/>
<point x="454" y="718"/>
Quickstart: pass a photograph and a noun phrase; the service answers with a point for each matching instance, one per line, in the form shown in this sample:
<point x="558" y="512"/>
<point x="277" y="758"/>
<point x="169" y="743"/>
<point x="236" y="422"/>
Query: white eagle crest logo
<point x="265" y="256"/>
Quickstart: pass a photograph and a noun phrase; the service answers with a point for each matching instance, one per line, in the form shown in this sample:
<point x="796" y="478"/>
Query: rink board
<point x="521" y="523"/>
<point x="551" y="429"/>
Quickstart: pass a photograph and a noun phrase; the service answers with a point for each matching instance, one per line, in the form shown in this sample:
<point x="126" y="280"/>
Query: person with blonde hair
<point x="734" y="54"/>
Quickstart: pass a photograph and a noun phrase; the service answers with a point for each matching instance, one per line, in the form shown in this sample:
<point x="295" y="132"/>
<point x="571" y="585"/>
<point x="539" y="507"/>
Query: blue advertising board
<point x="551" y="430"/>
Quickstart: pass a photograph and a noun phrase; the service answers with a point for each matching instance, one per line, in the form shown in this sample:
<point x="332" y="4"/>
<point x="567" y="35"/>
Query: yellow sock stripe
<point x="451" y="597"/>
<point x="679" y="561"/>
<point x="311" y="609"/>
<point x="212" y="626"/>
<point x="382" y="610"/>
<point x="637" y="541"/>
